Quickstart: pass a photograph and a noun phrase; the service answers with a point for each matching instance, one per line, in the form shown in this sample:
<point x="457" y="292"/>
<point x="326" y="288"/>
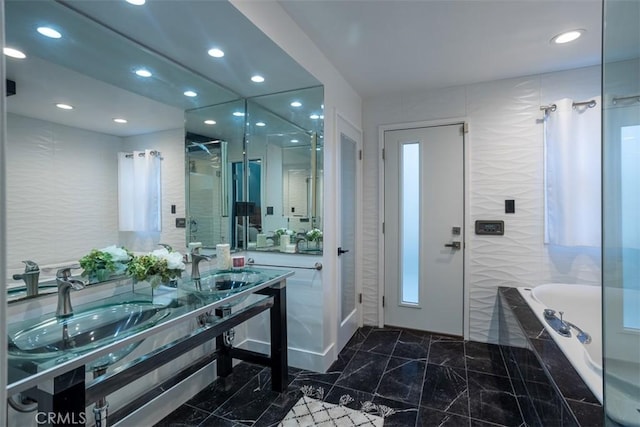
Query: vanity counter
<point x="31" y="364"/>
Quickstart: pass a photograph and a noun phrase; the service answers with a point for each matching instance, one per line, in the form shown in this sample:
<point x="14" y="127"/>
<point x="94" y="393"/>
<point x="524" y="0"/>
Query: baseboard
<point x="298" y="357"/>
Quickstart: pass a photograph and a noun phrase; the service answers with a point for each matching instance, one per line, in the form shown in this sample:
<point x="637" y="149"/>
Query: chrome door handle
<point x="453" y="245"/>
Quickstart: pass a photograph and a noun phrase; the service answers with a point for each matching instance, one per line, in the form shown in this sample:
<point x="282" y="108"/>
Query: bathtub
<point x="581" y="305"/>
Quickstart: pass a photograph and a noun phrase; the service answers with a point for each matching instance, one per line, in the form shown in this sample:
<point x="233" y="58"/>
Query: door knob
<point x="453" y="245"/>
<point x="342" y="251"/>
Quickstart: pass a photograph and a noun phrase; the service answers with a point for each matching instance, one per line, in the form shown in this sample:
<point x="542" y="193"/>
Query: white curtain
<point x="139" y="191"/>
<point x="572" y="193"/>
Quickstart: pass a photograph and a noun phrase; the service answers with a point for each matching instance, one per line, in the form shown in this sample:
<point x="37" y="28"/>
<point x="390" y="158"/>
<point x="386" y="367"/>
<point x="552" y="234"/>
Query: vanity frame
<point x="63" y="390"/>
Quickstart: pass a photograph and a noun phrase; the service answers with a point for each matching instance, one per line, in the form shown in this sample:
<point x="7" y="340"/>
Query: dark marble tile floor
<point x="428" y="380"/>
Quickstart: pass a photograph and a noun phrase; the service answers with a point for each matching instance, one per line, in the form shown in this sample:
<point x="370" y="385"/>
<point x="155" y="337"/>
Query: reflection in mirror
<point x="267" y="196"/>
<point x="285" y="134"/>
<point x="213" y="142"/>
<point x="62" y="181"/>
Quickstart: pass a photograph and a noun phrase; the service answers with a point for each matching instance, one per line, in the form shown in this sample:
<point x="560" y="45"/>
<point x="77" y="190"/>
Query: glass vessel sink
<point x="225" y="283"/>
<point x="85" y="331"/>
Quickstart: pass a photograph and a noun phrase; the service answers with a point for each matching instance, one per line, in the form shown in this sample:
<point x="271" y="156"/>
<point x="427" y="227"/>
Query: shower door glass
<point x="621" y="213"/>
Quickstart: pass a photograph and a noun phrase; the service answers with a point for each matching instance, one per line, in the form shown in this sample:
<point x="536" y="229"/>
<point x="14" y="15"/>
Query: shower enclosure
<point x="621" y="212"/>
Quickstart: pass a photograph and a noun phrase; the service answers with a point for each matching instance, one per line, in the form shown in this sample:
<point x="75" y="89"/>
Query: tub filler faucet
<point x="563" y="327"/>
<point x="65" y="285"/>
<point x="583" y="337"/>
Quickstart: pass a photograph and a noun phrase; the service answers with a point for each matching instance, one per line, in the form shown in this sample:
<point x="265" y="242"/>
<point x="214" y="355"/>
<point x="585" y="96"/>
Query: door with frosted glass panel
<point x="423" y="237"/>
<point x="348" y="183"/>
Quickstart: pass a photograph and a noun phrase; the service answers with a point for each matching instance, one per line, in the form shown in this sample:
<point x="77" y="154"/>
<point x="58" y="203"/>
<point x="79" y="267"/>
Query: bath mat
<point x="310" y="412"/>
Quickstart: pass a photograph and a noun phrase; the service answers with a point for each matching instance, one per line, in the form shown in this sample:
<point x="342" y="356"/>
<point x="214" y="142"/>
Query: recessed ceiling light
<point x="567" y="36"/>
<point x="49" y="32"/>
<point x="238" y="113"/>
<point x="314" y="117"/>
<point x="190" y="93"/>
<point x="294" y="141"/>
<point x="296" y="104"/>
<point x="209" y="122"/>
<point x="121" y="121"/>
<point x="13" y="53"/>
<point x="216" y="53"/>
<point x="261" y="124"/>
<point x="257" y="78"/>
<point x="136" y="2"/>
<point x="143" y="72"/>
<point x="65" y="106"/>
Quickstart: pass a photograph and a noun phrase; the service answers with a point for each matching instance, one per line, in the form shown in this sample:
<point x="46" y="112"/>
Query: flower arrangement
<point x="314" y="235"/>
<point x="282" y="231"/>
<point x="99" y="264"/>
<point x="159" y="266"/>
<point x="278" y="238"/>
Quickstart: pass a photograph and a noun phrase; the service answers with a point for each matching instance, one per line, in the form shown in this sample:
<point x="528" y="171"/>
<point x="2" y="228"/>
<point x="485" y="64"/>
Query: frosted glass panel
<point x="410" y="223"/>
<point x="348" y="213"/>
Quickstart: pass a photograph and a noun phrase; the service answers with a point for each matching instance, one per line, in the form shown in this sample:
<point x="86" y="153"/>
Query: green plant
<point x="99" y="264"/>
<point x="314" y="235"/>
<point x="282" y="231"/>
<point x="157" y="267"/>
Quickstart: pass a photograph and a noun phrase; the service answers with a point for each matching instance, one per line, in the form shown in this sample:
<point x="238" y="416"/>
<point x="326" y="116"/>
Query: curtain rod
<point x="625" y="98"/>
<point x="553" y="107"/>
<point x="591" y="103"/>
<point x="142" y="154"/>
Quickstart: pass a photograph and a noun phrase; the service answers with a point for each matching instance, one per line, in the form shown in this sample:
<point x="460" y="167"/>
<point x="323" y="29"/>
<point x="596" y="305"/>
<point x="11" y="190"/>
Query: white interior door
<point x="423" y="236"/>
<point x="348" y="304"/>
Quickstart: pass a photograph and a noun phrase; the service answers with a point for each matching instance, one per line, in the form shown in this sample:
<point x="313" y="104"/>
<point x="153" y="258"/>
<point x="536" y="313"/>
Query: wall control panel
<point x="493" y="228"/>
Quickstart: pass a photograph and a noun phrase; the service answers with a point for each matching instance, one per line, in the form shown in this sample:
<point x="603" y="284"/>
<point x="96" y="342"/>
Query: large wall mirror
<point x="63" y="163"/>
<point x="285" y="140"/>
<point x="261" y="189"/>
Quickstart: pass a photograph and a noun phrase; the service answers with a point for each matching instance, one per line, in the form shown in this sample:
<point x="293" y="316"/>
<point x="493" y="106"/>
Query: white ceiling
<point x="379" y="46"/>
<point x="384" y="47"/>
<point x="184" y="30"/>
<point x="91" y="66"/>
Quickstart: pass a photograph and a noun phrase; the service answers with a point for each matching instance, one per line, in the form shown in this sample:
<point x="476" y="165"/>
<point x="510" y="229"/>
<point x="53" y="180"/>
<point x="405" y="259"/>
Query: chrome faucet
<point x="196" y="257"/>
<point x="65" y="284"/>
<point x="300" y="239"/>
<point x="30" y="276"/>
<point x="583" y="337"/>
<point x="166" y="246"/>
<point x="563" y="327"/>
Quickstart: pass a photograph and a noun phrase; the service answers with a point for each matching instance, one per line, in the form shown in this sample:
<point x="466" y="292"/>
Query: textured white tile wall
<point x="61" y="192"/>
<point x="505" y="153"/>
